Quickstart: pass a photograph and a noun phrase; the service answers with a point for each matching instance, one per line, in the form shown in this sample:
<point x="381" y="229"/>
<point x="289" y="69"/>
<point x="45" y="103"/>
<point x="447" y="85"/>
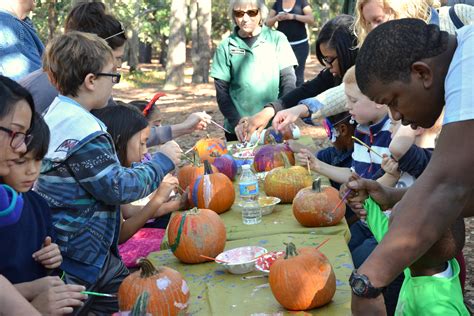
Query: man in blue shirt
<point x="20" y="46"/>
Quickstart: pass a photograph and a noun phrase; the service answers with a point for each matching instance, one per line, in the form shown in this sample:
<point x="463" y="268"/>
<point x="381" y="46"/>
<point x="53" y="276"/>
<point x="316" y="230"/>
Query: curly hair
<point x="396" y="9"/>
<point x="391" y="49"/>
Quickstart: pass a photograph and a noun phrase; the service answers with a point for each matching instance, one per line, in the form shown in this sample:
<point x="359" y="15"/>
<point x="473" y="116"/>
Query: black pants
<point x="110" y="278"/>
<point x="230" y="137"/>
<point x="301" y="52"/>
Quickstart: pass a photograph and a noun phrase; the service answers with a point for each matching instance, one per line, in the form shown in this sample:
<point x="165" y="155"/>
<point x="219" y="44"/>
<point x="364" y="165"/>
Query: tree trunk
<point x="177" y="45"/>
<point x="52" y="18"/>
<point x="324" y="11"/>
<point x="133" y="42"/>
<point x="201" y="39"/>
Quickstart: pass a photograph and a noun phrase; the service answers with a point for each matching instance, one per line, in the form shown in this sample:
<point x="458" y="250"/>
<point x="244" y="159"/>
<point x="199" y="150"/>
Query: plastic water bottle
<point x="248" y="188"/>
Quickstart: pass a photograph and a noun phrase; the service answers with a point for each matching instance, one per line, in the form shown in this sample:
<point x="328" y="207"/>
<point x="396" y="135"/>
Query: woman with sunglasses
<point x="251" y="67"/>
<point x="335" y="51"/>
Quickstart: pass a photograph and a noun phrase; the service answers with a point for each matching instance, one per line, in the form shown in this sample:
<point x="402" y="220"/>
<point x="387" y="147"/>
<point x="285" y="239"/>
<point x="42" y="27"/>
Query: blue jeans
<point x="301" y="52"/>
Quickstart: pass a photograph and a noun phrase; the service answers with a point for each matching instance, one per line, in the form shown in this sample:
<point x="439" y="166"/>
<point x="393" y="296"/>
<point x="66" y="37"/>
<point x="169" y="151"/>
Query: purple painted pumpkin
<point x="269" y="157"/>
<point x="226" y="165"/>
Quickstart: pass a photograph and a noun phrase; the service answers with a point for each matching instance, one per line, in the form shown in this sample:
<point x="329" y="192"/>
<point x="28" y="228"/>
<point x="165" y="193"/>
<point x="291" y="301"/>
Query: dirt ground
<point x="179" y="103"/>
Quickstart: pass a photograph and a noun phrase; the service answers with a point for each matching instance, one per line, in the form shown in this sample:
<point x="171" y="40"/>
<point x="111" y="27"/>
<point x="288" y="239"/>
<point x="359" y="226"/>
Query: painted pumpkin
<point x="285" y="134"/>
<point x="206" y="146"/>
<point x="169" y="293"/>
<point x="302" y="279"/>
<point x="285" y="182"/>
<point x="188" y="173"/>
<point x="194" y="233"/>
<point x="316" y="206"/>
<point x="269" y="156"/>
<point x="213" y="191"/>
<point x="225" y="164"/>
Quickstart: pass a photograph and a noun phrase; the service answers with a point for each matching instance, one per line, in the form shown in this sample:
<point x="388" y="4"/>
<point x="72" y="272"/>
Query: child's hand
<point x="172" y="150"/>
<point x="60" y="299"/>
<point x="168" y="185"/>
<point x="49" y="256"/>
<point x="302" y="158"/>
<point x="390" y="166"/>
<point x="197" y="121"/>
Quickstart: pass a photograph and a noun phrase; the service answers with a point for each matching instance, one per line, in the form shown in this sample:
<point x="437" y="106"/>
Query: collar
<point x="236" y="40"/>
<point x="434" y="16"/>
<point x="63" y="98"/>
<point x="374" y="128"/>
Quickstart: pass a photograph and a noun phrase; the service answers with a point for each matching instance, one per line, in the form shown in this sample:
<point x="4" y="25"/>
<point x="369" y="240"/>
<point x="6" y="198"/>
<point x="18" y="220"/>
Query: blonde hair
<point x="350" y="77"/>
<point x="396" y="9"/>
<point x="69" y="58"/>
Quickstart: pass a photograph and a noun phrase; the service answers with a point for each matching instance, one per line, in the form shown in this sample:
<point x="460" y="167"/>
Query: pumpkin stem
<point x="207" y="167"/>
<point x="317" y="185"/>
<point x="290" y="250"/>
<point x="141" y="303"/>
<point x="196" y="158"/>
<point x="147" y="268"/>
<point x="215" y="154"/>
<point x="285" y="160"/>
<point x="193" y="211"/>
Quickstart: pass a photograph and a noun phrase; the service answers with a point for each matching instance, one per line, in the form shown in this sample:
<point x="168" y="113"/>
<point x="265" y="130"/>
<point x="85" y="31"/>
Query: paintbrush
<point x="221" y="127"/>
<point x="98" y="294"/>
<point x="366" y="146"/>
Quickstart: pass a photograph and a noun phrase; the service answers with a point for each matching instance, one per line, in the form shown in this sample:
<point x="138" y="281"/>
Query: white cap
<point x="246" y="166"/>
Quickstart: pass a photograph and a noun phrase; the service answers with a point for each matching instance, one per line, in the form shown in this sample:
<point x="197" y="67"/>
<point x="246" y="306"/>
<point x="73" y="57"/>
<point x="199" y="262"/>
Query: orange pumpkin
<point x="214" y="191"/>
<point x="194" y="233"/>
<point x="316" y="207"/>
<point x="206" y="146"/>
<point x="188" y="173"/>
<point x="285" y="182"/>
<point x="169" y="293"/>
<point x="302" y="279"/>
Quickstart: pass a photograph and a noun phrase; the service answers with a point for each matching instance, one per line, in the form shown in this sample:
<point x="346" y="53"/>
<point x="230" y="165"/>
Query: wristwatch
<point x="361" y="286"/>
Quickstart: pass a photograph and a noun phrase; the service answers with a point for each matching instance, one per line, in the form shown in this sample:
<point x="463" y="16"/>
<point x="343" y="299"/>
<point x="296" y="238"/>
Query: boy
<point x="30" y="255"/>
<point x="433" y="71"/>
<point x="81" y="177"/>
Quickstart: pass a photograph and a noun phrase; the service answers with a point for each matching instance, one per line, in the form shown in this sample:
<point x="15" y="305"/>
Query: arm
<point x="438" y="197"/>
<point x="108" y="181"/>
<point x="402" y="141"/>
<point x="336" y="174"/>
<point x="272" y="18"/>
<point x="12" y="302"/>
<point x="332" y="101"/>
<point x="160" y="135"/>
<point x="391" y="173"/>
<point x="307" y="16"/>
<point x="287" y="80"/>
<point x="225" y="103"/>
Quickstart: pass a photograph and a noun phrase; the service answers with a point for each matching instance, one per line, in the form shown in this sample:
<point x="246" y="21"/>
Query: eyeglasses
<point x="330" y="128"/>
<point x="251" y="13"/>
<point x="17" y="138"/>
<point x="115" y="76"/>
<point x="329" y="60"/>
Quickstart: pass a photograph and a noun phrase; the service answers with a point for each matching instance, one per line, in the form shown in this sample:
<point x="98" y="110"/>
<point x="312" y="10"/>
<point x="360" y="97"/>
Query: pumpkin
<point x="206" y="146"/>
<point x="213" y="191"/>
<point x="302" y="279"/>
<point x="188" y="173"/>
<point x="269" y="156"/>
<point x="194" y="233"/>
<point x="279" y="136"/>
<point x="168" y="291"/>
<point x="225" y="164"/>
<point x="285" y="182"/>
<point x="316" y="207"/>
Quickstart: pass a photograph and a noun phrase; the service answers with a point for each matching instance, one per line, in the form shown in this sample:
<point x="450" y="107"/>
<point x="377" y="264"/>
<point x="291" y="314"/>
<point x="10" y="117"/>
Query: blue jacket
<point x="20" y="47"/>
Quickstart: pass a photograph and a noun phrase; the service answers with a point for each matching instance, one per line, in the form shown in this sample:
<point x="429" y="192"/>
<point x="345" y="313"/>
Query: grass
<point x="144" y="78"/>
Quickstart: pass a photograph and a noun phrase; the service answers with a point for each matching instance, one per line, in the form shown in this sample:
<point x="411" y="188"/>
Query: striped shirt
<point x="378" y="137"/>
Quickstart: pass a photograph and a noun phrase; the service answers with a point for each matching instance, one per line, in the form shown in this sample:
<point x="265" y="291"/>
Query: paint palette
<point x="264" y="262"/>
<point x="240" y="260"/>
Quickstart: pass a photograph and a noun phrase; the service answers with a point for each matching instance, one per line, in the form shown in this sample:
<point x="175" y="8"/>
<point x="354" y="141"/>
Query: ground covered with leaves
<point x="179" y="103"/>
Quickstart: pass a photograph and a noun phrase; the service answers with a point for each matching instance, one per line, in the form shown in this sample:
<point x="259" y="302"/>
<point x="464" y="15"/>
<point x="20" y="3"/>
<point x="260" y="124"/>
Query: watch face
<point x="358" y="286"/>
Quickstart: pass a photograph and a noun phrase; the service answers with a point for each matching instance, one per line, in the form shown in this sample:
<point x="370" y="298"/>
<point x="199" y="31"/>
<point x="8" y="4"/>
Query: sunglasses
<point x="17" y="138"/>
<point x="330" y="128"/>
<point x="115" y="76"/>
<point x="251" y="13"/>
<point x="329" y="60"/>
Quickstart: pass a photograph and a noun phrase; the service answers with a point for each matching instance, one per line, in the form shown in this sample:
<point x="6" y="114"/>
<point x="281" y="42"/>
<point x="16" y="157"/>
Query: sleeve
<point x="459" y="95"/>
<point x="225" y="103"/>
<point x="326" y="155"/>
<point x="107" y="181"/>
<point x="287" y="80"/>
<point x="275" y="6"/>
<point x="415" y="160"/>
<point x="323" y="81"/>
<point x="376" y="219"/>
<point x="331" y="102"/>
<point x="304" y="4"/>
<point x="159" y="135"/>
<point x="286" y="56"/>
<point x="220" y="68"/>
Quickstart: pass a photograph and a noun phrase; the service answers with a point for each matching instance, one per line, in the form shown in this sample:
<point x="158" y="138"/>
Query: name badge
<point x="237" y="51"/>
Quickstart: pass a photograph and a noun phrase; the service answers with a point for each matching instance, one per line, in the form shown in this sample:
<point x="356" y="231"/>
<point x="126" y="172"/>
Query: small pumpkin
<point x="269" y="156"/>
<point x="206" y="146"/>
<point x="225" y="164"/>
<point x="302" y="279"/>
<point x="212" y="190"/>
<point x="188" y="173"/>
<point x="285" y="182"/>
<point x="169" y="293"/>
<point x="280" y="136"/>
<point x="316" y="207"/>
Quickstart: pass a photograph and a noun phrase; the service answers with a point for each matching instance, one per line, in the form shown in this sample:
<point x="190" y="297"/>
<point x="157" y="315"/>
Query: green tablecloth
<point x="216" y="292"/>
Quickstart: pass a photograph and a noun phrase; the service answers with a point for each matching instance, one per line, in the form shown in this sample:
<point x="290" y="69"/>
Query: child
<point x="30" y="257"/>
<point x="81" y="177"/>
<point x="431" y="285"/>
